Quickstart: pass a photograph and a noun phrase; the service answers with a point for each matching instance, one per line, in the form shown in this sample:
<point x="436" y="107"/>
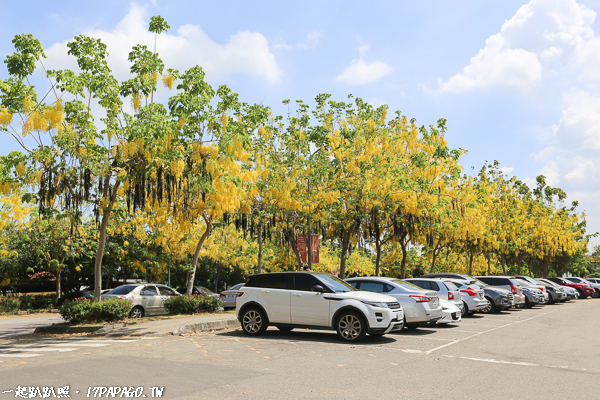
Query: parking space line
<point x="491" y="330"/>
<point x="428" y="338"/>
<point x="525" y="364"/>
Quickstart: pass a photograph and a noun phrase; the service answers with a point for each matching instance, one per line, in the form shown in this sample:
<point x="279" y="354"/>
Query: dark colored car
<point x="584" y="290"/>
<point x="594" y="285"/>
<point x="198" y="290"/>
<point x="508" y="283"/>
<point x="72" y="296"/>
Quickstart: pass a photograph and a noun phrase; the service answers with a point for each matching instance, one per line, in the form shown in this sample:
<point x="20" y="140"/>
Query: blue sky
<point x="518" y="81"/>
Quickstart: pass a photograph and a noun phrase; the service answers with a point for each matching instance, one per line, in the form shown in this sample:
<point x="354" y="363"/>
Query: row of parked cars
<point x="379" y="305"/>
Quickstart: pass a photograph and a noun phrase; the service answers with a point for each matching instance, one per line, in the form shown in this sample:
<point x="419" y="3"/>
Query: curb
<point x="44" y="311"/>
<point x="81" y="329"/>
<point x="106" y="328"/>
<point x="206" y="326"/>
<point x="67" y="329"/>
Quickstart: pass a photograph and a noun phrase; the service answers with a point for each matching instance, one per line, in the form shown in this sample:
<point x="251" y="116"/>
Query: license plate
<point x="230" y="296"/>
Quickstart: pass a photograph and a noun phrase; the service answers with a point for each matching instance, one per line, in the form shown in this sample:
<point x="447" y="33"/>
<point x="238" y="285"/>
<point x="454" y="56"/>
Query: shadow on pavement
<point x="306" y="335"/>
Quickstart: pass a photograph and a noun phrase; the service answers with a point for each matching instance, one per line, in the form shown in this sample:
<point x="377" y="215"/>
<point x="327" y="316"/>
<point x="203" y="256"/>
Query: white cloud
<point x="506" y="170"/>
<point x="244" y="53"/>
<point x="310" y="41"/>
<point x="543" y="36"/>
<point x="498" y="66"/>
<point x="360" y="72"/>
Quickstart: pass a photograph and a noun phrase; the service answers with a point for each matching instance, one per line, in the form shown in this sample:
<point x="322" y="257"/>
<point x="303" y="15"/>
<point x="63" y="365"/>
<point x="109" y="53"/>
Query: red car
<point x="583" y="289"/>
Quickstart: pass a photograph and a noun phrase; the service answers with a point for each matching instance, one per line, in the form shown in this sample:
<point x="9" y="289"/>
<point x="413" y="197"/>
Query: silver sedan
<point x="420" y="306"/>
<point x="472" y="295"/>
<point x="228" y="296"/>
<point x="446" y="290"/>
<point x="147" y="298"/>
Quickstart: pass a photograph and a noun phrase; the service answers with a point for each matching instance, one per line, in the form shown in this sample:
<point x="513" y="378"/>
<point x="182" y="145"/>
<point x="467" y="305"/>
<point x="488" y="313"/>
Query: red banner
<point x="302" y="248"/>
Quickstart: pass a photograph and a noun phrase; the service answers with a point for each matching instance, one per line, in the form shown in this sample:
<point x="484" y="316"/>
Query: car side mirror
<point x="317" y="288"/>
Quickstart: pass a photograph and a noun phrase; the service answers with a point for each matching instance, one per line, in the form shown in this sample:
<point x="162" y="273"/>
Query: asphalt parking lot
<point x="549" y="352"/>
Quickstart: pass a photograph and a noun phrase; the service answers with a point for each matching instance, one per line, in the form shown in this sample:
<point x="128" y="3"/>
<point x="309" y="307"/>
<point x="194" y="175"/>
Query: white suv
<point x="291" y="300"/>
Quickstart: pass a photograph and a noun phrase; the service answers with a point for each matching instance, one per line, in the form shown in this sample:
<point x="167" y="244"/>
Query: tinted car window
<point x="272" y="281"/>
<point x="489" y="281"/>
<point x="376" y="287"/>
<point x="148" y="291"/>
<point x="334" y="283"/>
<point x="165" y="291"/>
<point x="236" y="287"/>
<point x="305" y="282"/>
<point x="435" y="286"/>
<point x="450" y="286"/>
<point x="422" y="284"/>
<point x="354" y="284"/>
<point x="407" y="285"/>
<point x="123" y="289"/>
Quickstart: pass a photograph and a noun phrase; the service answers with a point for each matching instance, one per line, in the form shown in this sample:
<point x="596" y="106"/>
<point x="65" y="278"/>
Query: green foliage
<point x="192" y="304"/>
<point x="42" y="301"/>
<point x="9" y="304"/>
<point x="86" y="310"/>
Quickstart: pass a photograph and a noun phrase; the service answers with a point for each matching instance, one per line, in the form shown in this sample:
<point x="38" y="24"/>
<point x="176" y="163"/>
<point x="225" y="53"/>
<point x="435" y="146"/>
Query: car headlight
<point x="375" y="304"/>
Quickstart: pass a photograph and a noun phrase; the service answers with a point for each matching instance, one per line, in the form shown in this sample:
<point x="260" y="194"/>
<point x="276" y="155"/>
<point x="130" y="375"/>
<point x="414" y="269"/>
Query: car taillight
<point x="469" y="291"/>
<point x="542" y="289"/>
<point x="222" y="295"/>
<point x="513" y="289"/>
<point x="450" y="296"/>
<point x="420" y="299"/>
<point x="240" y="294"/>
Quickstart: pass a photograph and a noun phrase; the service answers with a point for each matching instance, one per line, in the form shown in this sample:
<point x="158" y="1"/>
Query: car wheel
<point x="351" y="327"/>
<point x="410" y="327"/>
<point x="527" y="303"/>
<point x="466" y="313"/>
<point x="254" y="322"/>
<point x="136" y="312"/>
<point x="596" y="293"/>
<point x="491" y="308"/>
<point x="285" y="328"/>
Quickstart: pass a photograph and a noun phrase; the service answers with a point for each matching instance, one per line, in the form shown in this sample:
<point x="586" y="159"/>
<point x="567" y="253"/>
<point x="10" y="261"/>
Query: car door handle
<point x="297" y="294"/>
<point x="265" y="291"/>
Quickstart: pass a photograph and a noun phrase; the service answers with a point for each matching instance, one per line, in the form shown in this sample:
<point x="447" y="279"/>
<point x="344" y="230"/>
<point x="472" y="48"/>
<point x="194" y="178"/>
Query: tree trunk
<point x="489" y="266"/>
<point x="403" y="261"/>
<point x="519" y="262"/>
<point x="58" y="288"/>
<point x="436" y="251"/>
<point x="260" y="248"/>
<point x="470" y="266"/>
<point x="377" y="255"/>
<point x="345" y="243"/>
<point x="102" y="240"/>
<point x="217" y="279"/>
<point x="502" y="263"/>
<point x="293" y="242"/>
<point x="192" y="274"/>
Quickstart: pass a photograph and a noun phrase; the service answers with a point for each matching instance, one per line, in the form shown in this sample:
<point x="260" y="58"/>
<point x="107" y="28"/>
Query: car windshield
<point x="236" y="287"/>
<point x="334" y="283"/>
<point x="451" y="286"/>
<point x="203" y="289"/>
<point x="530" y="280"/>
<point x="407" y="285"/>
<point x="123" y="289"/>
<point x="479" y="283"/>
<point x="524" y="283"/>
